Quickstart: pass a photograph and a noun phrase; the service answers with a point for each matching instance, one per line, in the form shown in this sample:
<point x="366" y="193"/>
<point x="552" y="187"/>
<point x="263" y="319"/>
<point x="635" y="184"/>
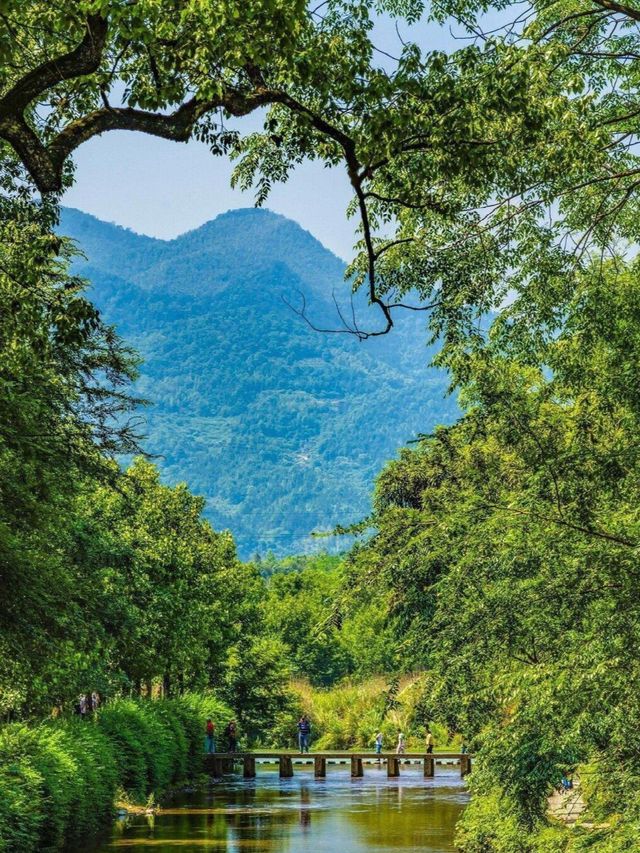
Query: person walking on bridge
<point x="430" y="741"/>
<point x="400" y="748"/>
<point x="378" y="743"/>
<point x="231" y="733"/>
<point x="304" y="733"/>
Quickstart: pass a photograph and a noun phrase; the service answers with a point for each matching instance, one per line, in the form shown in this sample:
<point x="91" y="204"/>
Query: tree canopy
<point x="64" y="410"/>
<point x="495" y="168"/>
<point x="509" y="544"/>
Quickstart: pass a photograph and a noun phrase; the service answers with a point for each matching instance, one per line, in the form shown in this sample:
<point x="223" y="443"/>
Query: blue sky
<point x="164" y="188"/>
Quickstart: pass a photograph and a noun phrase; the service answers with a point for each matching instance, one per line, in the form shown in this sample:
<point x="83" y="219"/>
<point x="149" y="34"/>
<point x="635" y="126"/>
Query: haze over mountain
<point x="281" y="428"/>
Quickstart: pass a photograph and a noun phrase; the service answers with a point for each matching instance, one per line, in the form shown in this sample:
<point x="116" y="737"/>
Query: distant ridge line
<point x="238" y="212"/>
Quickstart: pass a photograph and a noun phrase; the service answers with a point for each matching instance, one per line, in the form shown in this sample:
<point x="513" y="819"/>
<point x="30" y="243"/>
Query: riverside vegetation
<point x="495" y="187"/>
<point x="59" y="780"/>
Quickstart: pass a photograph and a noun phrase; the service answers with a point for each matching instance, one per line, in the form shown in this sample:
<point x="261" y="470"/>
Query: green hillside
<point x="281" y="428"/>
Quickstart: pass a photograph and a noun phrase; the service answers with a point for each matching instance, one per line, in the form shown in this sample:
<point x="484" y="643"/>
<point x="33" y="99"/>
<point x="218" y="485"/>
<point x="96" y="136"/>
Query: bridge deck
<point x="274" y="756"/>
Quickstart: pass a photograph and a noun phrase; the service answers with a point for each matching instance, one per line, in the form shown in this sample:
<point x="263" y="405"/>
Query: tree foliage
<point x="509" y="543"/>
<point x="309" y="607"/>
<point x="64" y="409"/>
<point x="169" y="589"/>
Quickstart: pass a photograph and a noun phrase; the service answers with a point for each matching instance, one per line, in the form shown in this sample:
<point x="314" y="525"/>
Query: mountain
<point x="280" y="427"/>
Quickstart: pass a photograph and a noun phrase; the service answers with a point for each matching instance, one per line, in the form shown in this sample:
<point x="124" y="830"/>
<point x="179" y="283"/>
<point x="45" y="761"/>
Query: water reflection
<point x="372" y="813"/>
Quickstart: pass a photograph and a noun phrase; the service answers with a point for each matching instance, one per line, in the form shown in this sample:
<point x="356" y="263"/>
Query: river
<point x="333" y="815"/>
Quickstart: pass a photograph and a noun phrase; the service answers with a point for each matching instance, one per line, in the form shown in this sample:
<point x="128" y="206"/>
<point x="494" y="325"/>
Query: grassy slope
<point x="348" y="715"/>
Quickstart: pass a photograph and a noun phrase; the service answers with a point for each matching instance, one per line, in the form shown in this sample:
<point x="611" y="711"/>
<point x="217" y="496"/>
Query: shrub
<point x="58" y="779"/>
<point x="125" y="728"/>
<point x="22" y="804"/>
<point x="90" y="808"/>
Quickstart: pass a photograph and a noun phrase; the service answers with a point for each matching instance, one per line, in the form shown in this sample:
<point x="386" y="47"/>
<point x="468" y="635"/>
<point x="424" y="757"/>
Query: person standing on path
<point x="210" y="731"/>
<point x="401" y="744"/>
<point x="430" y="741"/>
<point x="304" y="733"/>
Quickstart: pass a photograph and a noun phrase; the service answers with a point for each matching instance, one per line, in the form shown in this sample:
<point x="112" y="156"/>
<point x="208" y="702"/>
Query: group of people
<point x="230" y="735"/>
<point x="88" y="703"/>
<point x="304" y="737"/>
<point x="401" y="745"/>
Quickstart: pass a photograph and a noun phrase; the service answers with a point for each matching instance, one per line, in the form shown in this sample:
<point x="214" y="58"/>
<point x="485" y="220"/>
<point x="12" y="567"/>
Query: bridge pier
<point x="214" y="766"/>
<point x="286" y="767"/>
<point x="219" y="764"/>
<point x="393" y="767"/>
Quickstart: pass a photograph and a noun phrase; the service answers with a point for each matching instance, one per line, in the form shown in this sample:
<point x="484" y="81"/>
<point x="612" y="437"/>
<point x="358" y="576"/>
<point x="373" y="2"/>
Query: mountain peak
<point x="255" y="218"/>
<point x="260" y="223"/>
<point x="207" y="259"/>
<point x="281" y="428"/>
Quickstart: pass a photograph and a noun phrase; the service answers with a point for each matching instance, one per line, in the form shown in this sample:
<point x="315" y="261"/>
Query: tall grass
<point x="59" y="779"/>
<point x="350" y="715"/>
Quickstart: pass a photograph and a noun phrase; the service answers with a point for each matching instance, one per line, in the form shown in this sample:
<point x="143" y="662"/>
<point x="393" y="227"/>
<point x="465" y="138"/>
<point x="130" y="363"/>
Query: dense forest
<point x="492" y="591"/>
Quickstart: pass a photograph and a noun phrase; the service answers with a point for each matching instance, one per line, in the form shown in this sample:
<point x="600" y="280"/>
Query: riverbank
<point x="60" y="779"/>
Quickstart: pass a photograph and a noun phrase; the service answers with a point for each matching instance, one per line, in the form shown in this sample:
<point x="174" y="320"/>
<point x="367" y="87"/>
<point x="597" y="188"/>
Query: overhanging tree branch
<point x="45" y="161"/>
<point x="619" y="8"/>
<point x="82" y="60"/>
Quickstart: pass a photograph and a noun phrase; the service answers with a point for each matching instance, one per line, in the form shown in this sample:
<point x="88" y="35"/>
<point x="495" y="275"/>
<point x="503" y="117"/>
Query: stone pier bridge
<point x="219" y="763"/>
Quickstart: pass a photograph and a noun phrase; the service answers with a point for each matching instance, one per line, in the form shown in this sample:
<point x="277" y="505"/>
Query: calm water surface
<point x="333" y="815"/>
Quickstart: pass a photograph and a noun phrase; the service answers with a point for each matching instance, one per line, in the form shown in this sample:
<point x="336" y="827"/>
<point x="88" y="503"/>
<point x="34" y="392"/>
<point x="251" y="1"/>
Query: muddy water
<point x="333" y="815"/>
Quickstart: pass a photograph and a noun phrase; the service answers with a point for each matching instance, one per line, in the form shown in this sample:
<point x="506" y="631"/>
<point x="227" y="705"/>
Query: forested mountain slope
<point x="281" y="428"/>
